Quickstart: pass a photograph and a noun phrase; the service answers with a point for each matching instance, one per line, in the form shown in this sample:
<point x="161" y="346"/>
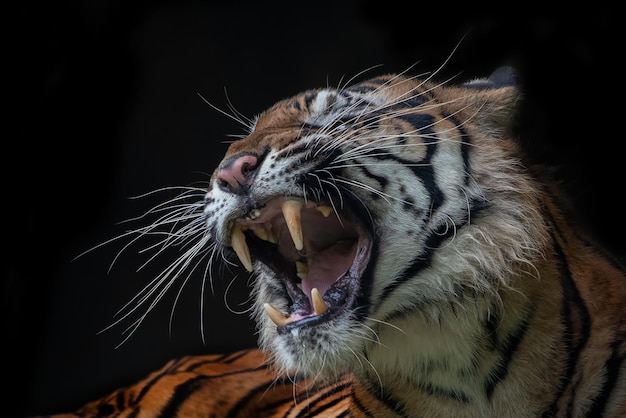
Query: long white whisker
<point x="236" y="118"/>
<point x="387" y="324"/>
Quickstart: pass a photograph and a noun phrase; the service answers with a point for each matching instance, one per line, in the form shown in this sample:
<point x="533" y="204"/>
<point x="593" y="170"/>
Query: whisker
<point x="236" y="117"/>
<point x="228" y="306"/>
<point x="387" y="324"/>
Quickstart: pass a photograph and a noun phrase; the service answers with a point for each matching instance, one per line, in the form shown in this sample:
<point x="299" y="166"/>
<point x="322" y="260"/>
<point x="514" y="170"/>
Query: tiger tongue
<point x="327" y="266"/>
<point x="324" y="268"/>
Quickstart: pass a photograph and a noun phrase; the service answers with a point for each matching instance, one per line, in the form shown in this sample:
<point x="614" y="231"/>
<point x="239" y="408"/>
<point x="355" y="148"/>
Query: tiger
<point x="407" y="259"/>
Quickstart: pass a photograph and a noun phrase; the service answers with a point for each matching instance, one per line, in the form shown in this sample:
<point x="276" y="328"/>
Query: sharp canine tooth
<point x="238" y="241"/>
<point x="325" y="210"/>
<point x="318" y="303"/>
<point x="276" y="316"/>
<point x="302" y="270"/>
<point x="291" y="211"/>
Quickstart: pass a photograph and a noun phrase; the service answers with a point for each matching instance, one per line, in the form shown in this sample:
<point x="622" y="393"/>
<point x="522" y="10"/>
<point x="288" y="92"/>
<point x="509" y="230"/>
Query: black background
<point x="105" y="105"/>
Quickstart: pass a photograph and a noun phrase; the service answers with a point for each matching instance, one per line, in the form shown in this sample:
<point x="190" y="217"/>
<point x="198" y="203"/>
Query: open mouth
<point x="318" y="253"/>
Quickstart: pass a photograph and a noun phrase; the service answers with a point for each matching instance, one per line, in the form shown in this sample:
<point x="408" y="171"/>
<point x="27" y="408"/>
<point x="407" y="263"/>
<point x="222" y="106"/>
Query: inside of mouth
<point x="326" y="266"/>
<point x="327" y="258"/>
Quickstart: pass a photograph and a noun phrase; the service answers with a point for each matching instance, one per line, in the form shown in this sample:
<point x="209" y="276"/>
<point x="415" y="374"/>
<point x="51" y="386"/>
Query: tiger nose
<point x="235" y="174"/>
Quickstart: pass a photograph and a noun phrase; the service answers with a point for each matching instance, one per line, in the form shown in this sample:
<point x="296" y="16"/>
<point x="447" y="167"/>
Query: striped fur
<point x="459" y="286"/>
<point x="203" y="386"/>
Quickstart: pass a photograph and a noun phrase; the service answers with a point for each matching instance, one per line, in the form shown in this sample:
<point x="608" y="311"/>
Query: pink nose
<point x="235" y="174"/>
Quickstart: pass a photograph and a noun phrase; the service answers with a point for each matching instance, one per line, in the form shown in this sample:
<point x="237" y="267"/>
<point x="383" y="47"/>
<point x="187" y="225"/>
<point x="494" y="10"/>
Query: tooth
<point x="318" y="303"/>
<point x="302" y="270"/>
<point x="238" y="242"/>
<point x="291" y="211"/>
<point x="271" y="236"/>
<point x="325" y="210"/>
<point x="276" y="316"/>
<point x="261" y="233"/>
<point x="255" y="213"/>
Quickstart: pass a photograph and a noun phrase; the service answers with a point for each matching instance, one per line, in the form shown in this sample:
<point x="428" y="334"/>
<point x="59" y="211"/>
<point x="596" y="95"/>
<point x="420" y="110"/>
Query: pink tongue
<point x="327" y="266"/>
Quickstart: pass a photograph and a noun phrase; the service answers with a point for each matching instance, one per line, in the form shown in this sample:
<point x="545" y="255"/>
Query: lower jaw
<point x="322" y="352"/>
<point x="316" y="347"/>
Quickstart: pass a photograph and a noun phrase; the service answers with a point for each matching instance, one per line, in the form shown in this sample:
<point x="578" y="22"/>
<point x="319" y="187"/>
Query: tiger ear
<point x="502" y="77"/>
<point x="492" y="101"/>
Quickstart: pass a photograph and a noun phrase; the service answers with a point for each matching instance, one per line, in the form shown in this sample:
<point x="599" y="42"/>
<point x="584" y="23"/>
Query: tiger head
<point x="358" y="209"/>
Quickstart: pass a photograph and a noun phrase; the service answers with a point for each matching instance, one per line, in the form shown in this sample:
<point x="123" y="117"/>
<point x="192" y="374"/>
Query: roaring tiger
<point x="406" y="261"/>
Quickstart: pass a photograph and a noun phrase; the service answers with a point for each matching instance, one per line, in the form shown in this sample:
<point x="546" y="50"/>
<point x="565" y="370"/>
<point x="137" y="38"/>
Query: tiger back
<point x="406" y="261"/>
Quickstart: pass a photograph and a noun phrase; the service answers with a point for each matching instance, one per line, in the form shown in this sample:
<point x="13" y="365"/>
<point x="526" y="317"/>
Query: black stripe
<point x="444" y="393"/>
<point x="364" y="301"/>
<point x="295" y="103"/>
<point x="612" y="367"/>
<point x="426" y="173"/>
<point x="155" y="380"/>
<point x="120" y="399"/>
<point x="573" y="305"/>
<point x="507" y="350"/>
<point x="317" y="407"/>
<point x="243" y="402"/>
<point x="233" y="357"/>
<point x="309" y="96"/>
<point x="491" y="328"/>
<point x="389" y="402"/>
<point x="227" y="358"/>
<point x="425" y="170"/>
<point x="476" y="207"/>
<point x="106" y="410"/>
<point x="383" y="181"/>
<point x="573" y="311"/>
<point x="181" y="393"/>
<point x="414" y="101"/>
<point x="356" y="403"/>
<point x="158" y="377"/>
<point x="465" y="147"/>
<point x="420" y="261"/>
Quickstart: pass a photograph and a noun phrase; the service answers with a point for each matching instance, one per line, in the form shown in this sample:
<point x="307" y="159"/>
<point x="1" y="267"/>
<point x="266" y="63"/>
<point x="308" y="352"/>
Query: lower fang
<point x="318" y="303"/>
<point x="276" y="316"/>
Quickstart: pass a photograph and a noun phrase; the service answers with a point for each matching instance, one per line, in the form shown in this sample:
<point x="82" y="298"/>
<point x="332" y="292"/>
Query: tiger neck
<point x="452" y="357"/>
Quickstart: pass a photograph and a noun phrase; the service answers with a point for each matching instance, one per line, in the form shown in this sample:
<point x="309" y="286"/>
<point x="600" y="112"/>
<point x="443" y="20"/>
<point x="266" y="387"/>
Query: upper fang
<point x="291" y="211"/>
<point x="238" y="242"/>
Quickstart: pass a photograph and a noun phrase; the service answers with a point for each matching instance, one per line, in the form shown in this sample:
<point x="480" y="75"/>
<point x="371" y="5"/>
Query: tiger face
<point x="356" y="208"/>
